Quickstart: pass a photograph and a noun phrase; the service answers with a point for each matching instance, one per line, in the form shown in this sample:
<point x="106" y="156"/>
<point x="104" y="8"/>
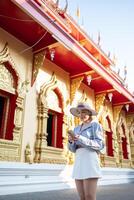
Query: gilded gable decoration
<point x="75" y="84"/>
<point x="107" y="116"/>
<point x="5" y="58"/>
<point x="38" y="63"/>
<point x="99" y="104"/>
<point x="83" y="97"/>
<point x="122" y="123"/>
<point x="116" y="115"/>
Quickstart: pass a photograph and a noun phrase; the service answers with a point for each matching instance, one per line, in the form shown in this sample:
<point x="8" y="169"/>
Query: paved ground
<point x="114" y="192"/>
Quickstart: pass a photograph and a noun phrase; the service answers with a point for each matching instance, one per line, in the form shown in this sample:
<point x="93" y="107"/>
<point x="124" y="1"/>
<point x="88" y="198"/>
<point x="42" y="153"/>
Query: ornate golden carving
<point x="18" y="120"/>
<point x="130" y="126"/>
<point x="46" y="87"/>
<point x="38" y="63"/>
<point x="10" y="150"/>
<point x="99" y="105"/>
<point x="28" y="154"/>
<point x="116" y="113"/>
<point x="23" y="88"/>
<point x="6" y="79"/>
<point x="75" y="84"/>
<point x="117" y="145"/>
<point x="51" y="5"/>
<point x="121" y="123"/>
<point x="107" y="117"/>
<point x="5" y="57"/>
<point x="43" y="153"/>
<point x="83" y="97"/>
<point x="109" y="161"/>
<point x="52" y="155"/>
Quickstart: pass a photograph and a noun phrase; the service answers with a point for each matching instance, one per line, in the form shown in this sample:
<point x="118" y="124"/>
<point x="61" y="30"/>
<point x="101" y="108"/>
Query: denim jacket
<point x="90" y="136"/>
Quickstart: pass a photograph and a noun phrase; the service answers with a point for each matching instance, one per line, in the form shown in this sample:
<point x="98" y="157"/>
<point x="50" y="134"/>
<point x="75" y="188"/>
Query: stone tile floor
<point x="111" y="192"/>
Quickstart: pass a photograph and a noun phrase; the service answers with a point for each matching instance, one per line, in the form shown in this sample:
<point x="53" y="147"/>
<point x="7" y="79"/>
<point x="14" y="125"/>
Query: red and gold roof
<point x="43" y="26"/>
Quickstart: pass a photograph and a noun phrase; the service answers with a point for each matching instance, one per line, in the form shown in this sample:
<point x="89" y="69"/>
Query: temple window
<point x="7" y="108"/>
<point x="54" y="121"/>
<point x="109" y="143"/>
<point x="3" y="101"/>
<point x="109" y="138"/>
<point x="8" y="83"/>
<point x="124" y="143"/>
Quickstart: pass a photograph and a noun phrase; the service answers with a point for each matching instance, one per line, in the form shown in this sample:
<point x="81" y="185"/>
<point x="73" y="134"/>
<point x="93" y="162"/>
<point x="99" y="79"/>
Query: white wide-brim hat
<point x="82" y="106"/>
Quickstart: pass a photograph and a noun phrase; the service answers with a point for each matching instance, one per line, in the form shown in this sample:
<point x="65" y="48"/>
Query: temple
<point x="48" y="64"/>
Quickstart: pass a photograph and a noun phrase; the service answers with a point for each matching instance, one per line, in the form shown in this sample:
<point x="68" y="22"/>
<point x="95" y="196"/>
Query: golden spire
<point x="99" y="38"/>
<point x="78" y="12"/>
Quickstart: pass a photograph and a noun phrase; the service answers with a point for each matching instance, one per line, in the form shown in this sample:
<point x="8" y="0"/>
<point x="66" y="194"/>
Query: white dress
<point x="86" y="164"/>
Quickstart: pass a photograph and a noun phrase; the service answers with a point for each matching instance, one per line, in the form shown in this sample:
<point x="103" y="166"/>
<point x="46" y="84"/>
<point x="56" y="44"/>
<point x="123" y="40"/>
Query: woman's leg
<point x="90" y="186"/>
<point x="80" y="189"/>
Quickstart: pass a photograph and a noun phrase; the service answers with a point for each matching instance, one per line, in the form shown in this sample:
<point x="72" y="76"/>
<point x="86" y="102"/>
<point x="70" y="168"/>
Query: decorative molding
<point x="107" y="114"/>
<point x="51" y="6"/>
<point x="116" y="113"/>
<point x="46" y="87"/>
<point x="23" y="88"/>
<point x="5" y="57"/>
<point x="6" y="80"/>
<point x="117" y="145"/>
<point x="83" y="97"/>
<point x="120" y="134"/>
<point x="43" y="153"/>
<point x="99" y="105"/>
<point x="11" y="150"/>
<point x="37" y="64"/>
<point x="75" y="84"/>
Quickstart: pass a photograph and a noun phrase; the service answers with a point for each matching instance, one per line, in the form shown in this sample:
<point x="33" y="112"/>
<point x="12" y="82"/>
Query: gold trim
<point x="75" y="84"/>
<point x="43" y="153"/>
<point x="38" y="63"/>
<point x="11" y="150"/>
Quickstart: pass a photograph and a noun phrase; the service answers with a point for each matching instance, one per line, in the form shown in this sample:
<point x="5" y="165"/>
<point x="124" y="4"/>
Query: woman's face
<point x="85" y="115"/>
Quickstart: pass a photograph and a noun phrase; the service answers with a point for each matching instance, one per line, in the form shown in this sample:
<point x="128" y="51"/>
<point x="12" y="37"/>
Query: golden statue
<point x="28" y="154"/>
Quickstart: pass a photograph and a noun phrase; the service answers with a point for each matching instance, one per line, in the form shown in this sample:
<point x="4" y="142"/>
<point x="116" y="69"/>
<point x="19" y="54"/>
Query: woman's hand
<point x="72" y="137"/>
<point x="76" y="137"/>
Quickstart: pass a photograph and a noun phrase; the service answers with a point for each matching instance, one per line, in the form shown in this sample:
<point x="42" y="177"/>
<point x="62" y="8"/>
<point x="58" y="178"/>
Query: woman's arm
<point x="96" y="140"/>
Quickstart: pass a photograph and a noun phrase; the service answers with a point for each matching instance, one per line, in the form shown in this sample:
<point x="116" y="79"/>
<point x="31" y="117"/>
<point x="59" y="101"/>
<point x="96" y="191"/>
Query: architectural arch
<point x="49" y="138"/>
<point x="109" y="137"/>
<point x="123" y="138"/>
<point x="12" y="105"/>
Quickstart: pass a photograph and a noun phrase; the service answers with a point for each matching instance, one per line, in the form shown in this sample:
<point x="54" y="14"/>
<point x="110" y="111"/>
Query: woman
<point x="86" y="140"/>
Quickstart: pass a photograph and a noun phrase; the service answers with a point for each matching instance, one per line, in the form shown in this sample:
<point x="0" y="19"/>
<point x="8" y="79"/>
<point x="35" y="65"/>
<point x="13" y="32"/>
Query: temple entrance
<point x="50" y="122"/>
<point x="124" y="143"/>
<point x="2" y="106"/>
<point x="109" y="138"/>
<point x="54" y="129"/>
<point x="109" y="143"/>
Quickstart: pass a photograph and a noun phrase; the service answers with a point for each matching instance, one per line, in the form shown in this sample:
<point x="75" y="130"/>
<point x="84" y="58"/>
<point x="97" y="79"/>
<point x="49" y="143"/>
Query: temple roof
<point x="44" y="27"/>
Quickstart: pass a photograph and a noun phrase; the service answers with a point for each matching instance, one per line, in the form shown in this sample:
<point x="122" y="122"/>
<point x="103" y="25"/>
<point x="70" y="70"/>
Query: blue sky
<point x="114" y="19"/>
